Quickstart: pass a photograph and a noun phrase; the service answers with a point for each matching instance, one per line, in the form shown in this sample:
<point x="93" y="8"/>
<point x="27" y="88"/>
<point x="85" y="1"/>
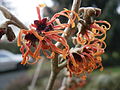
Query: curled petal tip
<point x="73" y="25"/>
<point x="42" y="5"/>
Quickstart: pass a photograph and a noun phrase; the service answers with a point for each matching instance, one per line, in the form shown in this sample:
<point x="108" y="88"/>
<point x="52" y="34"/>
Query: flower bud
<point x="10" y="34"/>
<point x="98" y="12"/>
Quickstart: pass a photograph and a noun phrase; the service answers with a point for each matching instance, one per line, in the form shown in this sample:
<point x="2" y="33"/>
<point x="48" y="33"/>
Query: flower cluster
<point x="85" y="59"/>
<point x="90" y="41"/>
<point x="42" y="34"/>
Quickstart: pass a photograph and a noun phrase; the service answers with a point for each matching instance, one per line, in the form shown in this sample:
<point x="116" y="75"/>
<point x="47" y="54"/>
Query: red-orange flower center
<point x="41" y="25"/>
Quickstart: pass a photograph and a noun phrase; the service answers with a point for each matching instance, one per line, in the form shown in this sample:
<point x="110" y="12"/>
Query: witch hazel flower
<point x="90" y="45"/>
<point x="95" y="30"/>
<point x="41" y="35"/>
<point x="90" y="29"/>
<point x="84" y="60"/>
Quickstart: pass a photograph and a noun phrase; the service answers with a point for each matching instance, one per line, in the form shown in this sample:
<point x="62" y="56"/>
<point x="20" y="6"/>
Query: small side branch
<point x="53" y="74"/>
<point x="62" y="65"/>
<point x="10" y="22"/>
<point x="11" y="17"/>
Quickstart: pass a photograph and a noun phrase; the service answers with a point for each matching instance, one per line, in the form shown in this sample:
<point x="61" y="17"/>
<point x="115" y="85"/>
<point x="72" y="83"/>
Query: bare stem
<point x="70" y="31"/>
<point x="52" y="79"/>
<point x="62" y="65"/>
<point x="36" y="74"/>
<point x="11" y="17"/>
<point x="63" y="86"/>
<point x="53" y="74"/>
<point x="55" y="69"/>
<point x="10" y="22"/>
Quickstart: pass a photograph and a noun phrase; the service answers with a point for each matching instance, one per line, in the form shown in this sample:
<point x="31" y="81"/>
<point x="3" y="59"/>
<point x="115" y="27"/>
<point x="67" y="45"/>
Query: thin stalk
<point x="52" y="79"/>
<point x="55" y="68"/>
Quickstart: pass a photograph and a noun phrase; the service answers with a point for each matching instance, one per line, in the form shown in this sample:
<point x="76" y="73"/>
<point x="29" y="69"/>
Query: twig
<point x="53" y="74"/>
<point x="69" y="31"/>
<point x="52" y="79"/>
<point x="36" y="74"/>
<point x="11" y="17"/>
<point x="63" y="86"/>
<point x="10" y="22"/>
<point x="62" y="65"/>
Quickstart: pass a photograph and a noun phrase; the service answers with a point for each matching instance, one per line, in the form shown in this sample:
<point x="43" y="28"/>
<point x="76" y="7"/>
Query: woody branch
<point x="55" y="68"/>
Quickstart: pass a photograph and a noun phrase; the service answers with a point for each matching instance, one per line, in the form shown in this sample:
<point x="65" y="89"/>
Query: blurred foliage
<point x="24" y="82"/>
<point x="104" y="82"/>
<point x="109" y="79"/>
<point x="10" y="46"/>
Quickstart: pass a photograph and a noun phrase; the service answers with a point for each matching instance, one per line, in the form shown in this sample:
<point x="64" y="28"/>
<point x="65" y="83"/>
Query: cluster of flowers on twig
<point x="41" y="35"/>
<point x="90" y="46"/>
<point x="44" y="32"/>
